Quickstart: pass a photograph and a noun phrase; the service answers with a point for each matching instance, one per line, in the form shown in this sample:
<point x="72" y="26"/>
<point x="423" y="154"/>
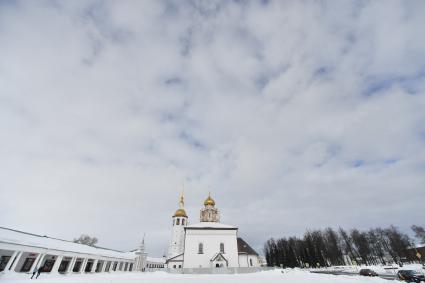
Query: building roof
<point x="243" y="247"/>
<point x="16" y="237"/>
<point x="210" y="225"/>
<point x="178" y="257"/>
<point x="155" y="259"/>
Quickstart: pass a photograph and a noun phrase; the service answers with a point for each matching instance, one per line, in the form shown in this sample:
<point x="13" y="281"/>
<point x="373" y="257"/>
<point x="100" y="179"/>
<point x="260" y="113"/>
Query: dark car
<point x="411" y="276"/>
<point x="368" y="272"/>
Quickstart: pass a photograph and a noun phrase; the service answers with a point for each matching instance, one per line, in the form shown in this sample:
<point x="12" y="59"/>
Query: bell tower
<point x="177" y="237"/>
<point x="209" y="213"/>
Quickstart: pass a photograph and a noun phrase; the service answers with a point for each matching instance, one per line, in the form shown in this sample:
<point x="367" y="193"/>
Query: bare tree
<point x="327" y="247"/>
<point x="419" y="233"/>
<point x="86" y="240"/>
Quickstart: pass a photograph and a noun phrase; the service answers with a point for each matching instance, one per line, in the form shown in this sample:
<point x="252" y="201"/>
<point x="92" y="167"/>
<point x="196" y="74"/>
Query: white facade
<point x="153" y="263"/>
<point x="23" y="252"/>
<point x="247" y="260"/>
<point x="175" y="262"/>
<point x="177" y="236"/>
<point x="141" y="259"/>
<point x="205" y="241"/>
<point x="208" y="244"/>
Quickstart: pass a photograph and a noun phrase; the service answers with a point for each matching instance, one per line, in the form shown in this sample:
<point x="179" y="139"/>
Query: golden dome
<point x="180" y="213"/>
<point x="209" y="201"/>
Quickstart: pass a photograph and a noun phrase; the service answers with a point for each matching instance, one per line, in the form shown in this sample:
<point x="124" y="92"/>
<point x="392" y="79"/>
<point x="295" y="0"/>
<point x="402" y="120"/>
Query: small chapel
<point x="207" y="244"/>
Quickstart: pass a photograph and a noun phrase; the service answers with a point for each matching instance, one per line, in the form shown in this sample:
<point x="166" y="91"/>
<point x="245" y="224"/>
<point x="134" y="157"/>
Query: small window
<point x="182" y="221"/>
<point x="222" y="248"/>
<point x="180" y="266"/>
<point x="250" y="261"/>
<point x="174" y="266"/>
<point x="200" y="248"/>
<point x="178" y="221"/>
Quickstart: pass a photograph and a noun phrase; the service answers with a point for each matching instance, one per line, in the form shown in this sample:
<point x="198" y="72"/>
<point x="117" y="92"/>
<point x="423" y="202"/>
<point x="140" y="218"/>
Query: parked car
<point x="368" y="272"/>
<point x="411" y="276"/>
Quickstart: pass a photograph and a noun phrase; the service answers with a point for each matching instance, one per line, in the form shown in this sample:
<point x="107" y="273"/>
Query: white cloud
<point x="306" y="113"/>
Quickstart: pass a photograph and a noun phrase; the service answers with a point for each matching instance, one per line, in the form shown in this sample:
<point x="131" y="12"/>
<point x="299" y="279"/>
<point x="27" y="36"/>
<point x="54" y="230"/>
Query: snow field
<point x="275" y="276"/>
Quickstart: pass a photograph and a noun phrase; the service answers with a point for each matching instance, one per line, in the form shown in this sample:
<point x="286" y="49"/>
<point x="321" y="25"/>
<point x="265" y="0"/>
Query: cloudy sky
<point x="294" y="114"/>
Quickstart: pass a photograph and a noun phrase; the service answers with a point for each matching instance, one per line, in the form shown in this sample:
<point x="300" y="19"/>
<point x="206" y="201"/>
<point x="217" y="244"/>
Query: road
<point x="337" y="272"/>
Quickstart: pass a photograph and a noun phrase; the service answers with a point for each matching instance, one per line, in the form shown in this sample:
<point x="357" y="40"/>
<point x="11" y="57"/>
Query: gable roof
<point x="243" y="247"/>
<point x="218" y="255"/>
<point x="175" y="258"/>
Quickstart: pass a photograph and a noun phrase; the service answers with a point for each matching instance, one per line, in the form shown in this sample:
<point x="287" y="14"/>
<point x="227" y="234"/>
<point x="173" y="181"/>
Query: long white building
<point x="22" y="252"/>
<point x="209" y="243"/>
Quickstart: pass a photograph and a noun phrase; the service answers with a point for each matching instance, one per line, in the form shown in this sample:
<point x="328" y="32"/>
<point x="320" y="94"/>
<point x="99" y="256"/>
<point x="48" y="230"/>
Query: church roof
<point x="210" y="225"/>
<point x="243" y="247"/>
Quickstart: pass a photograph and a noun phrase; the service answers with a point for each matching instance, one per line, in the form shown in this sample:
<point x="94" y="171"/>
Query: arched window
<point x="222" y="248"/>
<point x="200" y="248"/>
<point x="178" y="221"/>
<point x="183" y="221"/>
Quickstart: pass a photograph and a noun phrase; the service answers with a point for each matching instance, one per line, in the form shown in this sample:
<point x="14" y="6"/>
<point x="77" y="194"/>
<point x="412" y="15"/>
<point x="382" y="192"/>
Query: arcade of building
<point x="23" y="252"/>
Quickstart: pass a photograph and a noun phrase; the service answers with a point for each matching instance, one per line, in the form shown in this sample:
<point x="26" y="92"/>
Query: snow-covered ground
<point x="285" y="276"/>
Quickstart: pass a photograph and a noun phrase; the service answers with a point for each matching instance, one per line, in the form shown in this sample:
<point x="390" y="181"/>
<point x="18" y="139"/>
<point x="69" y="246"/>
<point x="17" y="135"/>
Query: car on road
<point x="411" y="276"/>
<point x="367" y="272"/>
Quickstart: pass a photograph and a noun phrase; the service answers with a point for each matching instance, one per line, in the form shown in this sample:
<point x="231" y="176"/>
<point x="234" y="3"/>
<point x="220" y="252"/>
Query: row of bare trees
<point x="321" y="248"/>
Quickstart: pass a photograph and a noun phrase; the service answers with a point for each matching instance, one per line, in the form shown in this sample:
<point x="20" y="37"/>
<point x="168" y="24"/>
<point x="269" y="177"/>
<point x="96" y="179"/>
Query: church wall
<point x="245" y="260"/>
<point x="211" y="239"/>
<point x="255" y="260"/>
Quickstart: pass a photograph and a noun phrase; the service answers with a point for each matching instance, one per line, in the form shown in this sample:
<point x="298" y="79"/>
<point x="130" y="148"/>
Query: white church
<point x="205" y="245"/>
<point x="209" y="243"/>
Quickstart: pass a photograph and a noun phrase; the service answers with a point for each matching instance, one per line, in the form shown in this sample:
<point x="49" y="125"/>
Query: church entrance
<point x="219" y="261"/>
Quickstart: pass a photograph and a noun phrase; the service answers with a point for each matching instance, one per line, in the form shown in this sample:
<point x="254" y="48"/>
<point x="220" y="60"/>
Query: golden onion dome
<point x="209" y="201"/>
<point x="180" y="213"/>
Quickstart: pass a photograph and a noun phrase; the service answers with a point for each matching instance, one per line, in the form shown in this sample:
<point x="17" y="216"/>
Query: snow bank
<point x="380" y="269"/>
